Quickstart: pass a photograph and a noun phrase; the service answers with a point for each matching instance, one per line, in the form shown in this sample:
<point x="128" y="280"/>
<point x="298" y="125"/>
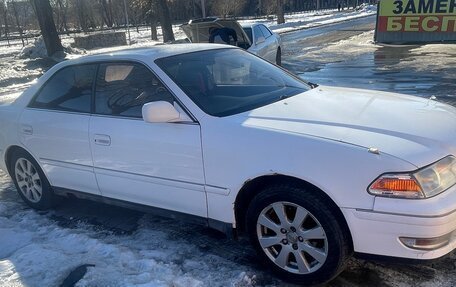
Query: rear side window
<point x="258" y="33"/>
<point x="265" y="31"/>
<point x="69" y="89"/>
<point x="123" y="88"/>
<point x="248" y="31"/>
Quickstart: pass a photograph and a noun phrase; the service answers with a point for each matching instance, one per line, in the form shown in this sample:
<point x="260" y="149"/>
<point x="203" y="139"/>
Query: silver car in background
<point x="254" y="37"/>
<point x="265" y="43"/>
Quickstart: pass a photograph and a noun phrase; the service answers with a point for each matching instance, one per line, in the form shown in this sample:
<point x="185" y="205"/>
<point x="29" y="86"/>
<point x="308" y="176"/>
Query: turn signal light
<point x="396" y="186"/>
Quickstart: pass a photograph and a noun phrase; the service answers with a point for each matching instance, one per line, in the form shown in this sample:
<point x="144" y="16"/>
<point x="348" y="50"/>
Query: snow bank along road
<point x="129" y="248"/>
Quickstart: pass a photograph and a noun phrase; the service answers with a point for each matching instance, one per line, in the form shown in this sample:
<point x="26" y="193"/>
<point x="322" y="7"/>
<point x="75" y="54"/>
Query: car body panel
<point x="154" y="165"/>
<point x="373" y="119"/>
<point x="321" y="136"/>
<point x="60" y="143"/>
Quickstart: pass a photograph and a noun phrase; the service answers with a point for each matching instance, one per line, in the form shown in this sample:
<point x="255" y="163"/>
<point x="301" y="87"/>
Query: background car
<point x="255" y="38"/>
<point x="265" y="43"/>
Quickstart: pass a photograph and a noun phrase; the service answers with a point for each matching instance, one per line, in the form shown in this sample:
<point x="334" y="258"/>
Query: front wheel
<point x="297" y="235"/>
<point x="30" y="181"/>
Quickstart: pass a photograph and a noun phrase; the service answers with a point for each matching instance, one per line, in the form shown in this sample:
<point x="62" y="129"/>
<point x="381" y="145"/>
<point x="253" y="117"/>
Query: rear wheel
<point x="297" y="235"/>
<point x="30" y="181"/>
<point x="279" y="57"/>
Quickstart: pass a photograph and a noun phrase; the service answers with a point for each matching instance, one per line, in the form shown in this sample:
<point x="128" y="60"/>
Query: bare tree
<point x="225" y="8"/>
<point x="280" y="13"/>
<point x="5" y="21"/>
<point x="165" y="21"/>
<point x="153" y="20"/>
<point x="45" y="18"/>
<point x="18" y="25"/>
<point x="268" y="6"/>
<point x="106" y="12"/>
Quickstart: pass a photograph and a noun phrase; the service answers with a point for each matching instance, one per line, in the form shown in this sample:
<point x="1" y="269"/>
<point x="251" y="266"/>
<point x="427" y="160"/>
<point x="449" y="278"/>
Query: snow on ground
<point x="314" y="19"/>
<point x="41" y="248"/>
<point x="36" y="251"/>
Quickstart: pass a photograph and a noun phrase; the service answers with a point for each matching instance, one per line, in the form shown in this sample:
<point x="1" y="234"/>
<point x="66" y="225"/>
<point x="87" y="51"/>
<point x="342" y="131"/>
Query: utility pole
<point x="126" y="20"/>
<point x="203" y="8"/>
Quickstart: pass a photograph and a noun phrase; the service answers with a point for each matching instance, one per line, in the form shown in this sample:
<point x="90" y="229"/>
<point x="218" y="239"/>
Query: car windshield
<point x="224" y="82"/>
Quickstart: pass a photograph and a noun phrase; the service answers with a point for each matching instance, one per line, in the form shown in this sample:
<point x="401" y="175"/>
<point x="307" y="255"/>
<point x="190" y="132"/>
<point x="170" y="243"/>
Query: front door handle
<point x="102" y="140"/>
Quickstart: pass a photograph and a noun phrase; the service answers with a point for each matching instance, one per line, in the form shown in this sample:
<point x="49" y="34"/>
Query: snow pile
<point x="367" y="8"/>
<point x="34" y="50"/>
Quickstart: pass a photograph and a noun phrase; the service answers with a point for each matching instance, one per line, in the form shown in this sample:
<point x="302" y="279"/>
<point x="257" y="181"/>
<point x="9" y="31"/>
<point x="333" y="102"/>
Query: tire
<point x="322" y="252"/>
<point x="279" y="57"/>
<point x="30" y="181"/>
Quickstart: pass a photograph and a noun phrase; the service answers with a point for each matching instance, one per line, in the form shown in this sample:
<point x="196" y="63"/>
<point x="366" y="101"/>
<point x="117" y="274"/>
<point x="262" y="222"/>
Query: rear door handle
<point x="27" y="129"/>
<point x="102" y="139"/>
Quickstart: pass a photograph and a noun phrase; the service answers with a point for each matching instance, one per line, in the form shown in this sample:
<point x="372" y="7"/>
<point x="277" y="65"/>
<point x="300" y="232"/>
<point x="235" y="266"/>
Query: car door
<point x="55" y="126"/>
<point x="271" y="44"/>
<point x="259" y="41"/>
<point x="155" y="164"/>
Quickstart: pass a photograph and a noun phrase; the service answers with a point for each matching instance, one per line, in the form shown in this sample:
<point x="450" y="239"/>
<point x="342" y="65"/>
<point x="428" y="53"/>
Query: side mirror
<point x="260" y="40"/>
<point x="161" y="112"/>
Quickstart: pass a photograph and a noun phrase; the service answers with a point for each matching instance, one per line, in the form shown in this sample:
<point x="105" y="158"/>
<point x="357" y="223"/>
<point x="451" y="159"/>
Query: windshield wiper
<point x="312" y="85"/>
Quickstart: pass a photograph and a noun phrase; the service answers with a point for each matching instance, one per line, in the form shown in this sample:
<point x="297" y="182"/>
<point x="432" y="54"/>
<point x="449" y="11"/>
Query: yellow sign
<point x="417" y="16"/>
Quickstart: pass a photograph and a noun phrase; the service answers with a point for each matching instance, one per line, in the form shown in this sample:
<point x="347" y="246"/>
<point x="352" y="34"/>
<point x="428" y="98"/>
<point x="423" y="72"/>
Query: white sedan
<point x="223" y="137"/>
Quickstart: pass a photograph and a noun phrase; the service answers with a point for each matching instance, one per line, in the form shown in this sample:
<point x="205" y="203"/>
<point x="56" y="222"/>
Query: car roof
<point x="147" y="54"/>
<point x="248" y="24"/>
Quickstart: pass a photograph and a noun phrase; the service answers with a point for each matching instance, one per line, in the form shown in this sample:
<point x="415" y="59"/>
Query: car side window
<point x="69" y="89"/>
<point x="265" y="31"/>
<point x="123" y="88"/>
<point x="258" y="33"/>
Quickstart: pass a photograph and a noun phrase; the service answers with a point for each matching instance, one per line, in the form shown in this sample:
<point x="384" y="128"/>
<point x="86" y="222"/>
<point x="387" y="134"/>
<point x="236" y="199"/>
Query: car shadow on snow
<point x="121" y="221"/>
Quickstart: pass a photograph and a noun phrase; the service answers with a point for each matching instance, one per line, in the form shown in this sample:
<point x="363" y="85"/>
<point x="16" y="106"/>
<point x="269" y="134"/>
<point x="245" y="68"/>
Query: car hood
<point x="197" y="31"/>
<point x="414" y="129"/>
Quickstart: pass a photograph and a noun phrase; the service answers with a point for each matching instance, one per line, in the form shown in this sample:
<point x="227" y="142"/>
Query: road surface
<point x="344" y="55"/>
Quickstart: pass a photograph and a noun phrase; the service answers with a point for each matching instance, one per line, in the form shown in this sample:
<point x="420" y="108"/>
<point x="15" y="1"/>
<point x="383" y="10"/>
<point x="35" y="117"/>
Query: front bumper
<point x="378" y="231"/>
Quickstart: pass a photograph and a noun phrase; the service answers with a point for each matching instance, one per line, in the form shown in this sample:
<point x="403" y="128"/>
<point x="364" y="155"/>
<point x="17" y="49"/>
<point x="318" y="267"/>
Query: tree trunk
<point x="45" y="18"/>
<point x="5" y="18"/>
<point x="153" y="30"/>
<point x="280" y="14"/>
<point x="165" y="21"/>
<point x="18" y="25"/>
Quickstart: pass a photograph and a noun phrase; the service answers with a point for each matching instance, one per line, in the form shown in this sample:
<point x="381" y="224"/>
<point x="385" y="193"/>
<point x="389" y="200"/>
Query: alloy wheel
<point x="28" y="180"/>
<point x="292" y="237"/>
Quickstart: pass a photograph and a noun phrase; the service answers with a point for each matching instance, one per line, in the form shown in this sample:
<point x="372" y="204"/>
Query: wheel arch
<point x="254" y="186"/>
<point x="9" y="153"/>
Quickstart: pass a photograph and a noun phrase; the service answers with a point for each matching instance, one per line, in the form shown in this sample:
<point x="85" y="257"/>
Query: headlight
<point x="423" y="183"/>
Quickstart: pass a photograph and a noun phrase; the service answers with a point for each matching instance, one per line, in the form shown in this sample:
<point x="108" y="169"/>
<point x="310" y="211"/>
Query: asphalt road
<point x="344" y="55"/>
